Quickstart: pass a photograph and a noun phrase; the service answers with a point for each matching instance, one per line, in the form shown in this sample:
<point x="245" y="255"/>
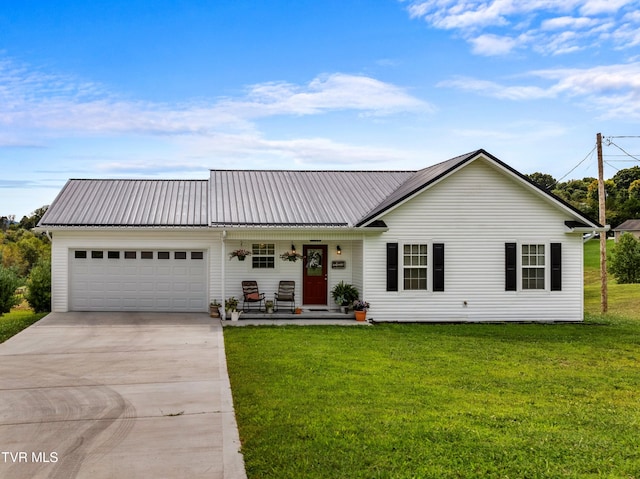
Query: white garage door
<point x="138" y="280"/>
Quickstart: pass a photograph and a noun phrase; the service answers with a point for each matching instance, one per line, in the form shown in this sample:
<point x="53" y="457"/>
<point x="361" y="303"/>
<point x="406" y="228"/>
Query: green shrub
<point x="9" y="282"/>
<point x="38" y="292"/>
<point x="624" y="263"/>
<point x="344" y="293"/>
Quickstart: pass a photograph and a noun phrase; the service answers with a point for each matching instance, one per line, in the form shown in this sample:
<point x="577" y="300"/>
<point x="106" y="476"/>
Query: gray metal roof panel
<point x="129" y="203"/>
<point x="298" y="198"/>
<point x="629" y="225"/>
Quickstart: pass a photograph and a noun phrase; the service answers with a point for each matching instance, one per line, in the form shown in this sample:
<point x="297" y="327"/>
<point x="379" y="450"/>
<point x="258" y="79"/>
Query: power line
<point x="572" y="169"/>
<point x="609" y="142"/>
<point x="608" y="163"/>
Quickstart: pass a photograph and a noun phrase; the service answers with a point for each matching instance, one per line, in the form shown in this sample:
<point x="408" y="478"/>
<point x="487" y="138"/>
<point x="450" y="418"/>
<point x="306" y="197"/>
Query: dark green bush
<point x="625" y="260"/>
<point x="9" y="282"/>
<point x="38" y="292"/>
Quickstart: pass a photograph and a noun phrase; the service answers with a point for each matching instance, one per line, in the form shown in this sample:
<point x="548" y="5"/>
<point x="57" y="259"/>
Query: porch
<point x="307" y="317"/>
<point x="313" y="265"/>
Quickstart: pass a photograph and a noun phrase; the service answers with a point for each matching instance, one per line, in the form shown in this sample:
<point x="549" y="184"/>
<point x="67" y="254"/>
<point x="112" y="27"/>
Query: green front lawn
<point x="442" y="401"/>
<point x="624" y="299"/>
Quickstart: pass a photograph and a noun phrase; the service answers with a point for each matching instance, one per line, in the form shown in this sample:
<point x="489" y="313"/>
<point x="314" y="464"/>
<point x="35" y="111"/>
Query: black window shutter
<point x="556" y="266"/>
<point x="511" y="265"/>
<point x="392" y="266"/>
<point x="438" y="266"/>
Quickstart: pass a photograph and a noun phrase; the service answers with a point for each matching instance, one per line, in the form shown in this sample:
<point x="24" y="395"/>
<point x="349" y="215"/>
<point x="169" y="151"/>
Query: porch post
<point x="363" y="296"/>
<point x="222" y="273"/>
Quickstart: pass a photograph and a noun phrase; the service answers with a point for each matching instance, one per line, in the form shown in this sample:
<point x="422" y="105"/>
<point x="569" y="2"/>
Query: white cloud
<point x="36" y="107"/>
<point x="497" y="90"/>
<point x="307" y="152"/>
<point x="337" y="91"/>
<point x="612" y="90"/>
<point x="490" y="45"/>
<point x="35" y="101"/>
<point x="564" y="23"/>
<point x="595" y="7"/>
<point x="550" y="27"/>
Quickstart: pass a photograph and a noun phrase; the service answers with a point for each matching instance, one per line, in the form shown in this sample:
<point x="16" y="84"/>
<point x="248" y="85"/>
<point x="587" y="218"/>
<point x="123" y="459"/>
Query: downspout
<point x="222" y="273"/>
<point x="48" y="236"/>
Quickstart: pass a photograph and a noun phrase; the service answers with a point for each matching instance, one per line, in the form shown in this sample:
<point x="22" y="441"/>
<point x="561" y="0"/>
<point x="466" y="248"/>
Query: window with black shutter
<point x="556" y="266"/>
<point x="392" y="266"/>
<point x="438" y="266"/>
<point x="511" y="265"/>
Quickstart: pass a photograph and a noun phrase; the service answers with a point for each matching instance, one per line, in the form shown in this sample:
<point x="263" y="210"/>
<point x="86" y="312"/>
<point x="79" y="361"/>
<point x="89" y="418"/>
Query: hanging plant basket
<point x="241" y="254"/>
<point x="290" y="256"/>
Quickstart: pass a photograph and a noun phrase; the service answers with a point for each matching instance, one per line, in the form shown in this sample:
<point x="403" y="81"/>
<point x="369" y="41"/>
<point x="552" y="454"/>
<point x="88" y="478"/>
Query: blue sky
<point x="170" y="89"/>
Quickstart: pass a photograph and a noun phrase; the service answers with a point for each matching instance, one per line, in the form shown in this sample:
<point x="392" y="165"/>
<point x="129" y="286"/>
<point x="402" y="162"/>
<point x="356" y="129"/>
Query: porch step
<point x="306" y="314"/>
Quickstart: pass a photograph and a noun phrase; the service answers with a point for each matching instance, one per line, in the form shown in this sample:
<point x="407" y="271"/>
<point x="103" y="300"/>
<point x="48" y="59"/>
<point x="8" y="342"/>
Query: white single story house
<point x="468" y="239"/>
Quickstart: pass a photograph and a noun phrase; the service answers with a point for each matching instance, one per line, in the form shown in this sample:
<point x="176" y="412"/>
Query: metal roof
<point x="298" y="198"/>
<point x="260" y="198"/>
<point x="129" y="203"/>
<point x="629" y="225"/>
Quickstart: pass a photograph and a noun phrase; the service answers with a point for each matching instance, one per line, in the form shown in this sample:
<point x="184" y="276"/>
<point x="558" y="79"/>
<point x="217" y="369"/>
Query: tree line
<point x="25" y="263"/>
<point x="622" y="202"/>
<point x="622" y="194"/>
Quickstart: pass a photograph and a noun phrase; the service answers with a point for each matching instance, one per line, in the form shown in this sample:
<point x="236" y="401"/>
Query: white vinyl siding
<point x="475" y="211"/>
<point x="237" y="271"/>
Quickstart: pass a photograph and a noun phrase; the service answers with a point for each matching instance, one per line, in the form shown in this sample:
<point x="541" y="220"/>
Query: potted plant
<point x="360" y="308"/>
<point x="269" y="306"/>
<point x="214" y="309"/>
<point x="344" y="294"/>
<point x="230" y="305"/>
<point x="241" y="254"/>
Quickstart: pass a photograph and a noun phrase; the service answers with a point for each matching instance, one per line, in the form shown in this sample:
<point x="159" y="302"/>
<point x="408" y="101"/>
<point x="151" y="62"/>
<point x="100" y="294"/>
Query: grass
<point x="442" y="401"/>
<point x="623" y="298"/>
<point x="15" y="321"/>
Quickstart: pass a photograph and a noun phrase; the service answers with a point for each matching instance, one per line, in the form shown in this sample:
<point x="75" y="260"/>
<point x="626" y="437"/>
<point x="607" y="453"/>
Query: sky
<point x="172" y="89"/>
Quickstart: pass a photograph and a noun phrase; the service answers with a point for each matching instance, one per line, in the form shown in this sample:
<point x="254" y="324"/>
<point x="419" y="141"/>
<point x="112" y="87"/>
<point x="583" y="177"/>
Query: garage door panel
<point x="131" y="283"/>
<point x="146" y="287"/>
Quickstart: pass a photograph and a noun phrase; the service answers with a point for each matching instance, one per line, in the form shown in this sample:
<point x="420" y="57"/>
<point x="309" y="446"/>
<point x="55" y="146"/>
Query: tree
<point x="634" y="189"/>
<point x="624" y="178"/>
<point x="543" y="180"/>
<point x="624" y="263"/>
<point x="31" y="221"/>
<point x="38" y="292"/>
<point x="8" y="284"/>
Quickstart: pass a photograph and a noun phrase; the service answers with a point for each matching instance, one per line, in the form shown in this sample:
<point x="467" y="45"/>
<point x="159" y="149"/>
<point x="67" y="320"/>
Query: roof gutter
<point x="589" y="229"/>
<point x="302" y="228"/>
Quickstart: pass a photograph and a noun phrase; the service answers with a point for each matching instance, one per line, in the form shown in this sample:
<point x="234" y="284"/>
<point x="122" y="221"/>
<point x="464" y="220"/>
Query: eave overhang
<point x="579" y="227"/>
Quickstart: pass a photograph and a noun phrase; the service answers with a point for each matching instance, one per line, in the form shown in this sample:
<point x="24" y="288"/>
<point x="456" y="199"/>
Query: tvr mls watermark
<point x="29" y="457"/>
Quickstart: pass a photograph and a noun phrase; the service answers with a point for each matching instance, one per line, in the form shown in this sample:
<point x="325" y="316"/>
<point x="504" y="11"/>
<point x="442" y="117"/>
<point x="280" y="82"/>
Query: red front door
<point x="314" y="285"/>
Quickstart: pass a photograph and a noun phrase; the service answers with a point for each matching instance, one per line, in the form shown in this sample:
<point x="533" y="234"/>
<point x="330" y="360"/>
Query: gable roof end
<point x="428" y="176"/>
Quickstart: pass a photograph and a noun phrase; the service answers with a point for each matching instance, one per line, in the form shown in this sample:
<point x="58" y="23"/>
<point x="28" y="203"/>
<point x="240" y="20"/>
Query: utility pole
<point x="604" y="306"/>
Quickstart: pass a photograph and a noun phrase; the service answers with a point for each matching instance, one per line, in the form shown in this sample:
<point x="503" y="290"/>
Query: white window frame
<point x="264" y="251"/>
<point x="427" y="267"/>
<point x="526" y="263"/>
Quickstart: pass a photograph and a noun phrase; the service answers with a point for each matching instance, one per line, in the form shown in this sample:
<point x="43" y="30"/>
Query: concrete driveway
<point x="117" y="395"/>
